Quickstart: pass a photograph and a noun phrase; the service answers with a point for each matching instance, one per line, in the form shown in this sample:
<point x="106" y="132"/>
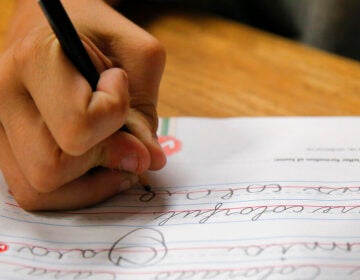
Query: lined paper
<point x="240" y="198"/>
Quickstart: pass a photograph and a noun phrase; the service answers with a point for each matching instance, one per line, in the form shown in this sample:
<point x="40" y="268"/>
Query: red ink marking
<point x="3" y="247"/>
<point x="170" y="144"/>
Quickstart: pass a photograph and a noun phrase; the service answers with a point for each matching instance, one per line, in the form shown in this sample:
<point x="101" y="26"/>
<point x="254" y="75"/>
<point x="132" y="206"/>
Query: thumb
<point x="107" y="108"/>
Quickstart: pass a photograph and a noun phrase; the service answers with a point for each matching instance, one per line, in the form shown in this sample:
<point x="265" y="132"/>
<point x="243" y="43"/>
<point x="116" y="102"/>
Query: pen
<point x="73" y="47"/>
<point x="69" y="40"/>
<point x="145" y="184"/>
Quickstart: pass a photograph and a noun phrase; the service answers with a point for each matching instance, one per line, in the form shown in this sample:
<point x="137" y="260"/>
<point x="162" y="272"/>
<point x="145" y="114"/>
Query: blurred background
<point x="331" y="25"/>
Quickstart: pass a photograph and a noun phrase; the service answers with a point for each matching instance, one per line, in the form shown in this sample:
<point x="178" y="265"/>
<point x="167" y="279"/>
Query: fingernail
<point x="129" y="181"/>
<point x="129" y="163"/>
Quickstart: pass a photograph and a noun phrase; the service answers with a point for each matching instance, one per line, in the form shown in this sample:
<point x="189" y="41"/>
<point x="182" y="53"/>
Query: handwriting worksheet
<point x="240" y="198"/>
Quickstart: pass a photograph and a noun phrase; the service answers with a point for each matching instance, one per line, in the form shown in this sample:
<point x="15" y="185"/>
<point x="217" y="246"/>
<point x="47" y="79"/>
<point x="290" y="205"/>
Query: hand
<point x="54" y="129"/>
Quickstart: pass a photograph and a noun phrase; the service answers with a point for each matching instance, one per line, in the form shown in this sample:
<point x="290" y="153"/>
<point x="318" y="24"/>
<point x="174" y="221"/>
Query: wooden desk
<point x="219" y="68"/>
<point x="6" y="8"/>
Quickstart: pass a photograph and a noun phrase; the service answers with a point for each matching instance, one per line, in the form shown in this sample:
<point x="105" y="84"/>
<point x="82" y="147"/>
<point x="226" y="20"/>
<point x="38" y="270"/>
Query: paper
<point x="245" y="198"/>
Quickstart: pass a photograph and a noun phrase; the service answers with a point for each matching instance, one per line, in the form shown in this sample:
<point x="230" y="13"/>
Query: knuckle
<point x="153" y="51"/>
<point x="28" y="50"/>
<point x="74" y="137"/>
<point x="25" y="48"/>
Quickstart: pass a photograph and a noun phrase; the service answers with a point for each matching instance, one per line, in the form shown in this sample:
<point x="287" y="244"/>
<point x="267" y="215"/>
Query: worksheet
<point x="270" y="198"/>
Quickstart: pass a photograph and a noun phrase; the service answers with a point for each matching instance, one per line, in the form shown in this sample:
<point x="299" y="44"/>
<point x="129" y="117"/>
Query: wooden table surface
<point x="219" y="68"/>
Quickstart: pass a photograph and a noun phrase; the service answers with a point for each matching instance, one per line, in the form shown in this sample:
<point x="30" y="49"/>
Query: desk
<point x="6" y="8"/>
<point x="220" y="68"/>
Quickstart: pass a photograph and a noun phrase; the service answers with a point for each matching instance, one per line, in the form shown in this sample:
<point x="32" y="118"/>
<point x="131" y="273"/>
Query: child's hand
<point x="54" y="129"/>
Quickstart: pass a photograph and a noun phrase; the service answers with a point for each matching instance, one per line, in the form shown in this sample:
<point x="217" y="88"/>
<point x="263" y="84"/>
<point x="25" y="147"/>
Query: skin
<point x="54" y="129"/>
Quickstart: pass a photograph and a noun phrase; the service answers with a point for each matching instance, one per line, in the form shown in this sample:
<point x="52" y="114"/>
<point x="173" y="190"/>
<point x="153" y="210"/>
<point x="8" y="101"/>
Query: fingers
<point x="76" y="117"/>
<point x="54" y="128"/>
<point x="45" y="165"/>
<point x="143" y="59"/>
<point x="87" y="190"/>
<point x="141" y="56"/>
<point x="140" y="128"/>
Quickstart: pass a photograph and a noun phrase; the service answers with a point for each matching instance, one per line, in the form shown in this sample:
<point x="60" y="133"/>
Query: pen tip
<point x="147" y="188"/>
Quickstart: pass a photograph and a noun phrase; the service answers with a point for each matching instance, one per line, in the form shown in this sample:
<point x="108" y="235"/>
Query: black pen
<point x="70" y="40"/>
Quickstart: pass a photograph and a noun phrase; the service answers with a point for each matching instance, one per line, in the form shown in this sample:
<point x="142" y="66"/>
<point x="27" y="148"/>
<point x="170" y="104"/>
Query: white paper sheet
<point x="245" y="198"/>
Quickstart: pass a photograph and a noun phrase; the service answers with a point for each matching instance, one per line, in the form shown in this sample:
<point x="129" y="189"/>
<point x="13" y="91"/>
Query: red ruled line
<point x="255" y="207"/>
<point x="50" y="270"/>
<point x="190" y="248"/>
<point x="205" y="190"/>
